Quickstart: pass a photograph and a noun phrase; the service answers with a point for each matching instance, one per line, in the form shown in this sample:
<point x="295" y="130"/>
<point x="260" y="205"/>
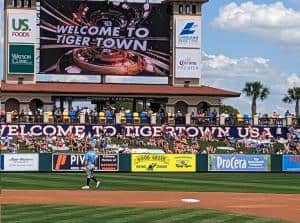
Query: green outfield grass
<point x="225" y="182"/>
<point x="84" y="214"/>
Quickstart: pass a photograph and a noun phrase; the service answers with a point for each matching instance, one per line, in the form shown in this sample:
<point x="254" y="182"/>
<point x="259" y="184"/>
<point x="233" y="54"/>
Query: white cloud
<point x="293" y="80"/>
<point x="232" y="73"/>
<point x="234" y="67"/>
<point x="272" y="21"/>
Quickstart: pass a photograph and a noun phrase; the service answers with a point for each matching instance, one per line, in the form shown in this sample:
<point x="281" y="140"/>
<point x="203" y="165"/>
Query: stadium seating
<point x="109" y="117"/>
<point x="122" y="117"/>
<point x="136" y="118"/>
<point x="240" y="118"/>
<point x="50" y="116"/>
<point x="66" y="117"/>
<point x="129" y="117"/>
<point x="171" y="118"/>
<point x="144" y="117"/>
<point x="102" y="118"/>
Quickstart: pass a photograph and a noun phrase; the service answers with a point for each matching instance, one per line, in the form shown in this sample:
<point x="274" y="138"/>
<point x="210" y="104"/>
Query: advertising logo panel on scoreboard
<point x="187" y="47"/>
<point x="21" y="59"/>
<point x="22" y="27"/>
<point x="101" y="37"/>
<point x="188" y="63"/>
<point x="188" y="32"/>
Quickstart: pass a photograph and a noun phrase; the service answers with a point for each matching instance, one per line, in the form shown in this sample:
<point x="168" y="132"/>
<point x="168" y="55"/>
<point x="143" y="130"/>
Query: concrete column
<point x="81" y="118"/>
<point x="24" y="107"/>
<point x="170" y="108"/>
<point x="222" y="119"/>
<point x="192" y="109"/>
<point x="2" y="108"/>
<point x="48" y="107"/>
<point x="8" y="117"/>
<point x="153" y="119"/>
<point x="188" y="119"/>
<point x="46" y="117"/>
<point x="256" y="120"/>
<point x="118" y="118"/>
<point x="289" y="120"/>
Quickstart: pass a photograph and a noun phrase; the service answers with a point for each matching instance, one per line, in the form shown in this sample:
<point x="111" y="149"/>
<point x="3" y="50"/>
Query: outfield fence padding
<point x="73" y="162"/>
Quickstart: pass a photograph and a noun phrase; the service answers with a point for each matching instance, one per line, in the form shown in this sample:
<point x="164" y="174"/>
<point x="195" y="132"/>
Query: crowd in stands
<point x="108" y="116"/>
<point x="168" y="143"/>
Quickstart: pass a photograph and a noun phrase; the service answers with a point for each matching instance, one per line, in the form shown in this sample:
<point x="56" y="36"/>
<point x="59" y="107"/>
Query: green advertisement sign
<point x="21" y="59"/>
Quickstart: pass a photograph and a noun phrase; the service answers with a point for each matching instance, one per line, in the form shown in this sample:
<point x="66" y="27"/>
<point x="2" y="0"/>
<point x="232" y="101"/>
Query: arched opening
<point x="194" y="9"/>
<point x="182" y="107"/>
<point x="180" y="9"/>
<point x="203" y="107"/>
<point x="187" y="9"/>
<point x="12" y="104"/>
<point x="36" y="106"/>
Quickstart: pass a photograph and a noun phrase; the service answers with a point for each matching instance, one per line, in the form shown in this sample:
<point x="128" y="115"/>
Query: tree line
<point x="256" y="90"/>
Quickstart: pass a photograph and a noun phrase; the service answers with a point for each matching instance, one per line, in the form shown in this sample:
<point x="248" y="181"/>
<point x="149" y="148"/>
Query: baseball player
<point x="89" y="162"/>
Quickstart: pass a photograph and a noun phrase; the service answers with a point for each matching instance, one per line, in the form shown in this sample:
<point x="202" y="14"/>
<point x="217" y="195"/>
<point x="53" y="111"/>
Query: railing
<point x="154" y="119"/>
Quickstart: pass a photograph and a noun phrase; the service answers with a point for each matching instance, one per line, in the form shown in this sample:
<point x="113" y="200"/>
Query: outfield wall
<point x="73" y="162"/>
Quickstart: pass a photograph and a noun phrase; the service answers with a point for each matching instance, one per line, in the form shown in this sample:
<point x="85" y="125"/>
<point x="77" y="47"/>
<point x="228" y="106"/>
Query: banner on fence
<point x="108" y="162"/>
<point x="1" y="162"/>
<point x="163" y="163"/>
<point x="21" y="162"/>
<point x="140" y="130"/>
<point x="75" y="162"/>
<point x="239" y="162"/>
<point x="291" y="163"/>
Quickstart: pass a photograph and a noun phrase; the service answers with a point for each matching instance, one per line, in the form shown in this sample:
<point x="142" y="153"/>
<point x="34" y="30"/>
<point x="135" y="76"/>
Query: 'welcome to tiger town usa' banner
<point x="139" y="130"/>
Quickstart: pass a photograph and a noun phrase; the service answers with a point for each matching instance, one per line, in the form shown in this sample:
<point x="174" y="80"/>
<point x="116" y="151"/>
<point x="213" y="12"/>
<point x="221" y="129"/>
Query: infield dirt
<point x="277" y="206"/>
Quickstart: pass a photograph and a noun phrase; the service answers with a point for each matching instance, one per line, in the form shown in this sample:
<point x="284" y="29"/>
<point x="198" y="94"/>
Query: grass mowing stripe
<point x="216" y="181"/>
<point x="112" y="212"/>
<point x="58" y="215"/>
<point x="238" y="182"/>
<point x="182" y="216"/>
<point x="133" y="216"/>
<point x="212" y="217"/>
<point x="155" y="185"/>
<point x="185" y="217"/>
<point x="85" y="214"/>
<point x="223" y="183"/>
<point x="160" y="215"/>
<point x="16" y="208"/>
<point x="22" y="215"/>
<point x="144" y="215"/>
<point x="81" y="214"/>
<point x="36" y="184"/>
<point x="259" y="220"/>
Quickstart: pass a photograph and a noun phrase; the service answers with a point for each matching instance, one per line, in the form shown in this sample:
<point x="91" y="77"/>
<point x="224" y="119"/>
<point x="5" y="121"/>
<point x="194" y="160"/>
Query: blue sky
<point x="248" y="41"/>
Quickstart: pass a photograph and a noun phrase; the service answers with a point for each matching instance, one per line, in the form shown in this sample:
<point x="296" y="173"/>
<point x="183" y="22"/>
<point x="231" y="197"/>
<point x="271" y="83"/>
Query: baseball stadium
<point x="105" y="117"/>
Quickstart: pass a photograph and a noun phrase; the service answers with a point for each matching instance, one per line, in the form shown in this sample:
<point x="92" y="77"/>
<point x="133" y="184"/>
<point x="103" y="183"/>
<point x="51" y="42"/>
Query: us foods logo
<point x="20" y="27"/>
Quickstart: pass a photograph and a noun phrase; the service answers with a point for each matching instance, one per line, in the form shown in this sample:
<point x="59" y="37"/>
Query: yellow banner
<point x="163" y="163"/>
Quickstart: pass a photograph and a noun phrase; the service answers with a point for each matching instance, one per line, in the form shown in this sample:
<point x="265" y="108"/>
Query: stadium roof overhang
<point x="117" y="89"/>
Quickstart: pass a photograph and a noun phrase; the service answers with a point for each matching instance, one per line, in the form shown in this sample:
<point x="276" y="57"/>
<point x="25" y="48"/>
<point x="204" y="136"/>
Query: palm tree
<point x="293" y="95"/>
<point x="257" y="91"/>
